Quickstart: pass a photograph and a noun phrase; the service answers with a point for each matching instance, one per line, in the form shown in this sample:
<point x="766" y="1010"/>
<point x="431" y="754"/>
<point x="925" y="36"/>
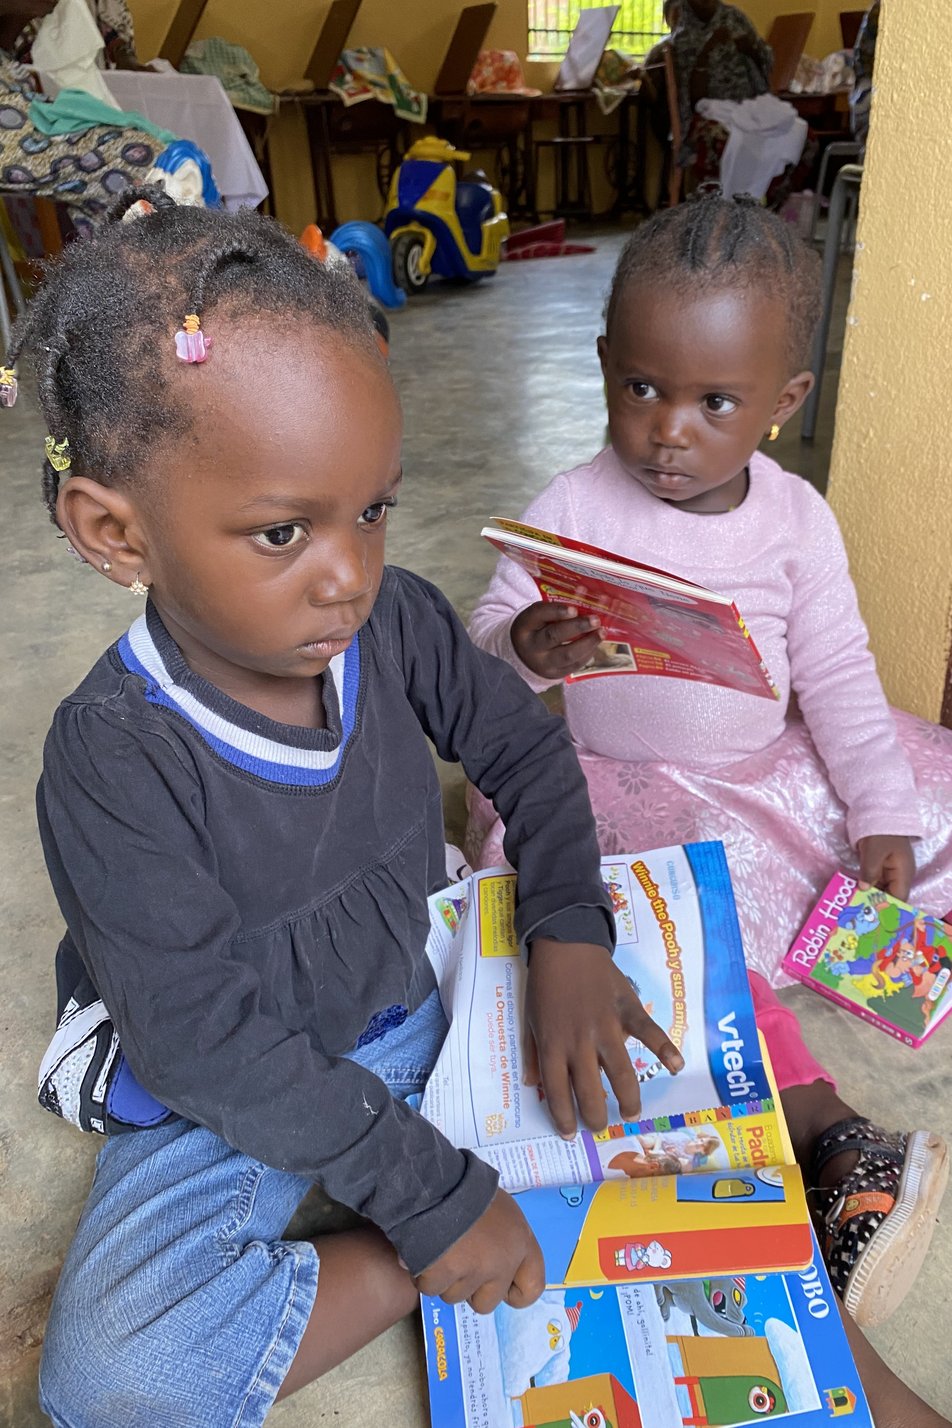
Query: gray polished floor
<point x="501" y="388"/>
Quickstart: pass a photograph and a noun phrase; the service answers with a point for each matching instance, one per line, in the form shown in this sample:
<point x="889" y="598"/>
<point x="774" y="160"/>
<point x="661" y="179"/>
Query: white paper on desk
<point x="67" y="52"/>
<point x="586" y="47"/>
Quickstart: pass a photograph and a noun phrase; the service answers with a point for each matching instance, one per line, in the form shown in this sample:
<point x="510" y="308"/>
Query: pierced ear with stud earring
<point x="773" y="433"/>
<point x="137" y="587"/>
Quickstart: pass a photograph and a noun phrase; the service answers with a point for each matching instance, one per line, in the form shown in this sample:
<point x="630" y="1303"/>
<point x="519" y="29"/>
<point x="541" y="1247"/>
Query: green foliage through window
<point x="639" y="25"/>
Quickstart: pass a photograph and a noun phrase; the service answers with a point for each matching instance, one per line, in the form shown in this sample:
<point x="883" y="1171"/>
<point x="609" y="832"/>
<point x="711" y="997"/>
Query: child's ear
<point x="102" y="524"/>
<point x="793" y="396"/>
<point x="602" y="345"/>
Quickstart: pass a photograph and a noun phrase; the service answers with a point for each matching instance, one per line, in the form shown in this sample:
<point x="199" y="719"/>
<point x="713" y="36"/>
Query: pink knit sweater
<point x="780" y="556"/>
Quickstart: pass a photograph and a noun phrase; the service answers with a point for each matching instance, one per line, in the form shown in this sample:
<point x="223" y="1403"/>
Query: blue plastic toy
<point x="366" y="242"/>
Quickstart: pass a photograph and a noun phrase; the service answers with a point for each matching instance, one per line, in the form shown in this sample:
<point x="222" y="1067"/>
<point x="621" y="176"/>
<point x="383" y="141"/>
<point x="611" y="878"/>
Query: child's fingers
<point x="557" y="1085"/>
<point x="531" y="1075"/>
<point x="589" y="1090"/>
<point x="528" y="1281"/>
<point x="567" y="632"/>
<point x="638" y="1023"/>
<point x="623" y="1079"/>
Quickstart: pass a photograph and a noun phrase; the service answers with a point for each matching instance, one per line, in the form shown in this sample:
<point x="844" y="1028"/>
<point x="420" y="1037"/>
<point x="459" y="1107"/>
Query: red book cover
<point x="653" y="621"/>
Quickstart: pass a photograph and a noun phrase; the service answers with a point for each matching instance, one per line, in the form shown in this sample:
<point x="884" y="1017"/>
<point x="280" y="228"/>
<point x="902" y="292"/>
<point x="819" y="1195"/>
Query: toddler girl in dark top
<point x="242" y="823"/>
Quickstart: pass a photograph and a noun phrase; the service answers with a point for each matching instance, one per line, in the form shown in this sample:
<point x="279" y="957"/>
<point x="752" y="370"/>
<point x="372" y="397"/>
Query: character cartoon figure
<point x="591" y="1418"/>
<point x="185" y="172"/>
<point x="716" y="1304"/>
<point x="634" y="1256"/>
<point x="860" y="917"/>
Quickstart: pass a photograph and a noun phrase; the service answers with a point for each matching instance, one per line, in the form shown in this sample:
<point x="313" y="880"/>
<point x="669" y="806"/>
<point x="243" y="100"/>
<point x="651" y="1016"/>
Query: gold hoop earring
<point x="773" y="433"/>
<point x="137" y="587"/>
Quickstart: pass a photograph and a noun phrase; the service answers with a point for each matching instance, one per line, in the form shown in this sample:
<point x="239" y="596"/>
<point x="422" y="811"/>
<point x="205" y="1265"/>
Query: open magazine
<point x="653" y="622"/>
<point x="679" y="943"/>
<point x="683" y="1281"/>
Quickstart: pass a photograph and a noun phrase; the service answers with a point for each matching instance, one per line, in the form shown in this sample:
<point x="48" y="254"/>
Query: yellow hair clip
<point x="8" y="386"/>
<point x="57" y="453"/>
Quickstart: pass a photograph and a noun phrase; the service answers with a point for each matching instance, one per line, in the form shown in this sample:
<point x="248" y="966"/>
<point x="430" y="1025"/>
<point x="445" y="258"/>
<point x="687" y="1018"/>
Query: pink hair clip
<point x="8" y="386"/>
<point x="191" y="344"/>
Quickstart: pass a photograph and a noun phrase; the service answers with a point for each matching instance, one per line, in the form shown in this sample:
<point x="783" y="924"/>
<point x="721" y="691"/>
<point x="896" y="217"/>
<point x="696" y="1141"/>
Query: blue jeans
<point x="179" y="1305"/>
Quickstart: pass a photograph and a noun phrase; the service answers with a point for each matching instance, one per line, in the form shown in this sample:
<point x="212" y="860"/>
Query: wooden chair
<point x="787" y="39"/>
<point x="179" y="35"/>
<point x="675" y="171"/>
<point x="850" y="21"/>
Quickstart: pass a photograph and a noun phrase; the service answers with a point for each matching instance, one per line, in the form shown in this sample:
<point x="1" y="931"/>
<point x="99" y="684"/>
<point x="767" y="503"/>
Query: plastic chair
<point x="845" y="188"/>
<point x="840" y="149"/>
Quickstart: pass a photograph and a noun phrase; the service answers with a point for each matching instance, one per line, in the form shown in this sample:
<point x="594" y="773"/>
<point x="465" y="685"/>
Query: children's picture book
<point x="880" y="958"/>
<point x="683" y="1282"/>
<point x="679" y="944"/>
<point x="722" y="1350"/>
<point x="623" y="1231"/>
<point x="653" y="621"/>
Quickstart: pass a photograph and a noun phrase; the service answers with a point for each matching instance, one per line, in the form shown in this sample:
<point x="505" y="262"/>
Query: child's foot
<point x="877" y="1219"/>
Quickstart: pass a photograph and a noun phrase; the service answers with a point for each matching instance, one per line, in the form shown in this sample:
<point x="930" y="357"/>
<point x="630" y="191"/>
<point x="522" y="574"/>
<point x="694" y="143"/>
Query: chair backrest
<point x="337" y="25"/>
<point x="787" y="39"/>
<point x="850" y="21"/>
<point x="178" y="36"/>
<point x="676" y="173"/>
<point x="467" y="41"/>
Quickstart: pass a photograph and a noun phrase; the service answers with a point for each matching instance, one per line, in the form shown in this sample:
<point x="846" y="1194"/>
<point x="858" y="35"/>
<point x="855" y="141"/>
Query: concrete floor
<point x="502" y="389"/>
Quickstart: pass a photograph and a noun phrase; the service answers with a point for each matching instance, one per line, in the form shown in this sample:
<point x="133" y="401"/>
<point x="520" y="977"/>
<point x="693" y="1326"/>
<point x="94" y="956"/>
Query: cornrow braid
<point x="100" y="332"/>
<point x="713" y="242"/>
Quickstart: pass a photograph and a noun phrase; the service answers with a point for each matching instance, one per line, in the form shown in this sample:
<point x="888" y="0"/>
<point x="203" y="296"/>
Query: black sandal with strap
<point x="877" y="1220"/>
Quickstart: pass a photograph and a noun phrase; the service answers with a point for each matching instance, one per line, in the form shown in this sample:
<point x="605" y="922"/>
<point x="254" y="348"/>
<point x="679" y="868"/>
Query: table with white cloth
<point x="196" y="107"/>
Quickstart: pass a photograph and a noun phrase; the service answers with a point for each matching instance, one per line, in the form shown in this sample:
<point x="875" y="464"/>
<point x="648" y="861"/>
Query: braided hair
<point x="711" y="243"/>
<point x="102" y="327"/>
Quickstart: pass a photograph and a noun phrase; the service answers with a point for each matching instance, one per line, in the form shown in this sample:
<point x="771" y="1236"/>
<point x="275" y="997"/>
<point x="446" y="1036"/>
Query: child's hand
<point x="497" y="1259"/>
<point x="580" y="1009"/>
<point x="888" y="863"/>
<point x="554" y="640"/>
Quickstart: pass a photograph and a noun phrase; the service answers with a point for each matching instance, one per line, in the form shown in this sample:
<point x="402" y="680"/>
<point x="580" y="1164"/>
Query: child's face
<point x="264" y="526"/>
<point x="693" y="383"/>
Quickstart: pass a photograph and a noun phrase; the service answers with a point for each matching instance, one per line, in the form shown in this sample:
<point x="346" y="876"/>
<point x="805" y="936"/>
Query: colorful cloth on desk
<point x="616" y="77"/>
<point x="235" y="67"/>
<point x="85" y="171"/>
<point x="499" y="72"/>
<point x="73" y="111"/>
<point x="374" y="74"/>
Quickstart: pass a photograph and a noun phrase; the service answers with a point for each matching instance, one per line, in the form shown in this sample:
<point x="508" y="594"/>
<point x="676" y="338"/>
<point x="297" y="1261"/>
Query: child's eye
<point x="376" y="513"/>
<point x="644" y="391"/>
<point x="720" y="405"/>
<point x="279" y="537"/>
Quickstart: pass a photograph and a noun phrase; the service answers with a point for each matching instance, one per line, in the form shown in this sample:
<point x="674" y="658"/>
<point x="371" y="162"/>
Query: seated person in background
<point x="113" y="20"/>
<point x="864" y="52"/>
<point x="721" y="63"/>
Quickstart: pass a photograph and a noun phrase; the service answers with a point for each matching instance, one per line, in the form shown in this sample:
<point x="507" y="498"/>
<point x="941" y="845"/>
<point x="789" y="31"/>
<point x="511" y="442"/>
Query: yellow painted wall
<point x="281" y="34"/>
<point x="890" y="480"/>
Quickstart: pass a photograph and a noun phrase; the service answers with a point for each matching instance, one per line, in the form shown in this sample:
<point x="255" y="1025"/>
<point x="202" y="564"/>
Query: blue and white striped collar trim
<point x="267" y="758"/>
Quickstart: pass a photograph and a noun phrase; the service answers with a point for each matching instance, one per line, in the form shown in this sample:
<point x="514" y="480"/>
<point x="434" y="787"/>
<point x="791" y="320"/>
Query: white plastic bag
<point x="66" y="52"/>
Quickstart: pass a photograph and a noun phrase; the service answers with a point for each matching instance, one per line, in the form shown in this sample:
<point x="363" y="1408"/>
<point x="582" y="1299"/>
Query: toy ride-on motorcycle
<point x="438" y="223"/>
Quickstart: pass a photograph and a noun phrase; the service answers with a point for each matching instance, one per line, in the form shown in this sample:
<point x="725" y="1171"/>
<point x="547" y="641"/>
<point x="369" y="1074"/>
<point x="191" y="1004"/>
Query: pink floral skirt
<point x="782" y="825"/>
